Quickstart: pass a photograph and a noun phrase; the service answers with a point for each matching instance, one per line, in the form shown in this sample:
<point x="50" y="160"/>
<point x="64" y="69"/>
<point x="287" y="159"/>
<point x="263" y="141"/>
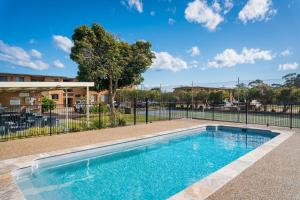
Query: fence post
<point x="50" y="121"/>
<point x="213" y="114"/>
<point x="246" y="112"/>
<point x="146" y="110"/>
<point x="99" y="116"/>
<point x="134" y="111"/>
<point x="169" y="110"/>
<point x="291" y="116"/>
<point x="187" y="110"/>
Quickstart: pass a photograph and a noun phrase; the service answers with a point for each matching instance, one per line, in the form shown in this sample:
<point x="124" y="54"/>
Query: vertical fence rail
<point x="147" y="110"/>
<point x="169" y="110"/>
<point x="246" y="112"/>
<point x="50" y="122"/>
<point x="291" y="116"/>
<point x="134" y="111"/>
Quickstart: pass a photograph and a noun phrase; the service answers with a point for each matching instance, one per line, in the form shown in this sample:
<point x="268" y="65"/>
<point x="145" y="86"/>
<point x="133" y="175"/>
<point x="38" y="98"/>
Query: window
<point x="93" y="98"/>
<point x="3" y="79"/>
<point x="56" y="80"/>
<point x="20" y="79"/>
<point x="54" y="96"/>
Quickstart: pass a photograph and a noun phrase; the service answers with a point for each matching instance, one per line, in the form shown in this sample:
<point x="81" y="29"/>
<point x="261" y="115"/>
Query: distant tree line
<point x="286" y="93"/>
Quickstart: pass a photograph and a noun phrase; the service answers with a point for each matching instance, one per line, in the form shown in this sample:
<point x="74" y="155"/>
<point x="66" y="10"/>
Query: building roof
<point x="34" y="75"/>
<point x="202" y="87"/>
<point x="42" y="86"/>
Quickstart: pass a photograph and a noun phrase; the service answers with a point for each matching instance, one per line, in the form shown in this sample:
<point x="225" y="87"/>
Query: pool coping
<point x="199" y="190"/>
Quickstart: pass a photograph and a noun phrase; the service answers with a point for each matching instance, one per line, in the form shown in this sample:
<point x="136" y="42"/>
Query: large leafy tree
<point x="216" y="98"/>
<point x="108" y="61"/>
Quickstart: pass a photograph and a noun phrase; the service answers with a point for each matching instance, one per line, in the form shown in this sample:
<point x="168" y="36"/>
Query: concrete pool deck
<point x="278" y="171"/>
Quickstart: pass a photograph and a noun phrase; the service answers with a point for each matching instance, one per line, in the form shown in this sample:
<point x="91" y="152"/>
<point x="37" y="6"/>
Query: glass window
<point x="94" y="98"/>
<point x="20" y="79"/>
<point x="54" y="96"/>
<point x="3" y="78"/>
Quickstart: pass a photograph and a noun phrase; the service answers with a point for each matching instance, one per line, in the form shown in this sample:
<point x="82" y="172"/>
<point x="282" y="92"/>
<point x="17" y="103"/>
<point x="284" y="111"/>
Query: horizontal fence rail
<point x="35" y="120"/>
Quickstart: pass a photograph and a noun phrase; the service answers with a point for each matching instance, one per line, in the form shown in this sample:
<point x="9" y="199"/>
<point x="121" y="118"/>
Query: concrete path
<point x="42" y="144"/>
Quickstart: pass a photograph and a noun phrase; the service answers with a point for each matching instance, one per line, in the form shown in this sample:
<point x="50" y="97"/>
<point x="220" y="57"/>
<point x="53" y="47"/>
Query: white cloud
<point x="257" y="10"/>
<point x="230" y="58"/>
<point x="194" y="51"/>
<point x="58" y="64"/>
<point x="165" y="61"/>
<point x="18" y="56"/>
<point x="171" y="21"/>
<point x="63" y="43"/>
<point x="32" y="41"/>
<point x="36" y="53"/>
<point x="152" y="13"/>
<point x="286" y="52"/>
<point x="228" y="5"/>
<point x="216" y="6"/>
<point x="137" y="4"/>
<point x="288" y="66"/>
<point x="199" y="12"/>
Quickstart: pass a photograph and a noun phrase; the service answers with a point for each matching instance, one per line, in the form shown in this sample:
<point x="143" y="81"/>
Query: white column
<point x="87" y="105"/>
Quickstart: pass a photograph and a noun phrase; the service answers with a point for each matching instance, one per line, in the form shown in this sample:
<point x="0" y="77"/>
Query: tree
<point x="47" y="104"/>
<point x="289" y="79"/>
<point x="241" y="92"/>
<point x="108" y="61"/>
<point x="256" y="83"/>
<point x="216" y="98"/>
<point x="202" y="97"/>
<point x="185" y="97"/>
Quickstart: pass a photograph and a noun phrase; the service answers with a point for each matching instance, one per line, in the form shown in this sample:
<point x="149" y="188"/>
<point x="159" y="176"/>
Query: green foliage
<point x="47" y="104"/>
<point x="108" y="61"/>
<point x="291" y="80"/>
<point x="122" y="122"/>
<point x="96" y="124"/>
<point x="202" y="97"/>
<point x="216" y="98"/>
<point x="101" y="107"/>
<point x="185" y="97"/>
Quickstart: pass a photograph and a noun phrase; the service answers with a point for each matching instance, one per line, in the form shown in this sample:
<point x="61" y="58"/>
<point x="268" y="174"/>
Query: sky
<point x="199" y="41"/>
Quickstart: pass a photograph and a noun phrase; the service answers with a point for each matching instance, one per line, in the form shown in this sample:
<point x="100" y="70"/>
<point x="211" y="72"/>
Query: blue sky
<point x="194" y="40"/>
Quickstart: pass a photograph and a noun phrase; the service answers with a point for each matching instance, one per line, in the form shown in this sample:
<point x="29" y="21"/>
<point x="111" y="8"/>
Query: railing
<point x="28" y="121"/>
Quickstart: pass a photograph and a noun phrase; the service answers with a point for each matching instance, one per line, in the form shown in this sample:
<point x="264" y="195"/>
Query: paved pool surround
<point x="199" y="190"/>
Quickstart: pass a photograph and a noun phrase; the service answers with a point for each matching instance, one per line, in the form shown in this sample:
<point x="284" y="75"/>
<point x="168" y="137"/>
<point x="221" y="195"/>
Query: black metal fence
<point x="28" y="121"/>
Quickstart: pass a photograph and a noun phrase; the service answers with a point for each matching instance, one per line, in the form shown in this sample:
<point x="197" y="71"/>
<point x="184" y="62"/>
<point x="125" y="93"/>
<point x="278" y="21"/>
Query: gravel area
<point x="275" y="176"/>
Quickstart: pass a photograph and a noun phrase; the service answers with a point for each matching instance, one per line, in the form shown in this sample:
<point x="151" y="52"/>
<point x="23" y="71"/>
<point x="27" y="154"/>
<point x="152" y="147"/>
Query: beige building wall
<point x="75" y="95"/>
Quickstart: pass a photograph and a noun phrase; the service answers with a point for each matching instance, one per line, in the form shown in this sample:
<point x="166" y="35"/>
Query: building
<point x="196" y="89"/>
<point x="32" y="96"/>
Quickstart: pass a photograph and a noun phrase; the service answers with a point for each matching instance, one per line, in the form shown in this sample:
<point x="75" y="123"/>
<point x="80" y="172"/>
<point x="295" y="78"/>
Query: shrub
<point x="122" y="122"/>
<point x="101" y="107"/>
<point x="97" y="125"/>
<point x="47" y="104"/>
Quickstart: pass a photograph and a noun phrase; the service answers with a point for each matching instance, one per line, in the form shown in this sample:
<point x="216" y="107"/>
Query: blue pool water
<point x="157" y="171"/>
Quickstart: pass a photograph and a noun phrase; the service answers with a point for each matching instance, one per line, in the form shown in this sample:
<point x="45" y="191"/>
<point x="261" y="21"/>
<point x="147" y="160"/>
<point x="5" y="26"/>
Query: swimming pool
<point x="153" y="168"/>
